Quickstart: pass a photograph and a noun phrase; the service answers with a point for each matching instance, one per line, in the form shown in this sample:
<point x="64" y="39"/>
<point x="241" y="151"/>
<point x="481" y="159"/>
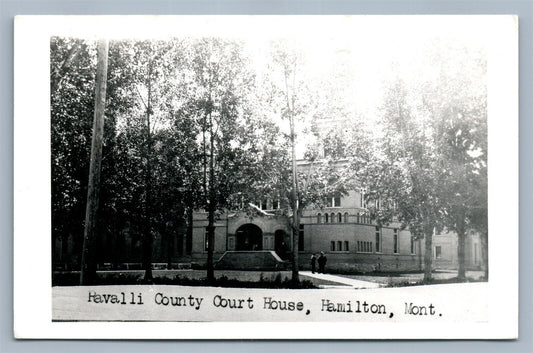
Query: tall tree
<point x="462" y="174"/>
<point x="456" y="107"/>
<point x="152" y="72"/>
<point x="292" y="94"/>
<point x="72" y="68"/>
<point x="289" y="63"/>
<point x="219" y="85"/>
<point x="400" y="176"/>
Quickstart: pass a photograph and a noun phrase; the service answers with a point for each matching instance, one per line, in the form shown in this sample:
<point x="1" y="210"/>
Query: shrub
<point x="72" y="279"/>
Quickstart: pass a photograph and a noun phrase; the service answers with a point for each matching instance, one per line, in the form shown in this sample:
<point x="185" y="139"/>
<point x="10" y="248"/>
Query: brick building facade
<point x="341" y="231"/>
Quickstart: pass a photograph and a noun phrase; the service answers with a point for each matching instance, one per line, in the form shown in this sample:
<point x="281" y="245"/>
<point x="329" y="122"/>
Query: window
<point x="413" y="249"/>
<point x="378" y="239"/>
<point x="319" y="218"/>
<point x="275" y="204"/>
<point x="346" y="217"/>
<point x="326" y="216"/>
<point x="339" y="217"/>
<point x="363" y="219"/>
<point x="333" y="218"/>
<point x="301" y="238"/>
<point x="363" y="246"/>
<point x="264" y="204"/>
<point x="438" y="252"/>
<point x="334" y="201"/>
<point x="339" y="245"/>
<point x="396" y="245"/>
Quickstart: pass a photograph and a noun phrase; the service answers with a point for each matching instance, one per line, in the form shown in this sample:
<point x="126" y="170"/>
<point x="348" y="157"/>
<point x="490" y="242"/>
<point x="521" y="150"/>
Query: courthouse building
<point x="342" y="230"/>
<point x="249" y="238"/>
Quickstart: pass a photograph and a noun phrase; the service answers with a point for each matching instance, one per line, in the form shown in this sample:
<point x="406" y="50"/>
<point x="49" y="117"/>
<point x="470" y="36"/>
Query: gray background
<point x="10" y="8"/>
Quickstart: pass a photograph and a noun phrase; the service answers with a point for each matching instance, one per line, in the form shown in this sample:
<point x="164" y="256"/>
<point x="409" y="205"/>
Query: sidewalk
<point x="343" y="281"/>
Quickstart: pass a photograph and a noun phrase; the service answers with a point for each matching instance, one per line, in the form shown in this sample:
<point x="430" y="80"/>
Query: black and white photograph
<point x="273" y="170"/>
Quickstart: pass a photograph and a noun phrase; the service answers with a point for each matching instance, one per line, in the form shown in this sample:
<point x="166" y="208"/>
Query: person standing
<point x="322" y="259"/>
<point x="313" y="263"/>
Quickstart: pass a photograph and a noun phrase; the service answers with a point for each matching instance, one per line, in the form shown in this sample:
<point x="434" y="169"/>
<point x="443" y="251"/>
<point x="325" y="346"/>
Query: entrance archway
<point x="249" y="237"/>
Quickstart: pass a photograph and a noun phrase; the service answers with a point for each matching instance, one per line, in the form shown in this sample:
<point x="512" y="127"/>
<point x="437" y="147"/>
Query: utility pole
<point x="147" y="236"/>
<point x="88" y="265"/>
<point x="295" y="208"/>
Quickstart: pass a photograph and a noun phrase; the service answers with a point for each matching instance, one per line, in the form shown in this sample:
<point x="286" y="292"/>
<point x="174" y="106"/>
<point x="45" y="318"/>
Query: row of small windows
<point x="367" y="246"/>
<point x="333" y="218"/>
<point x="334" y="202"/>
<point x="340" y="218"/>
<point x="364" y="246"/>
<point x="269" y="204"/>
<point x="339" y="245"/>
<point x="274" y="204"/>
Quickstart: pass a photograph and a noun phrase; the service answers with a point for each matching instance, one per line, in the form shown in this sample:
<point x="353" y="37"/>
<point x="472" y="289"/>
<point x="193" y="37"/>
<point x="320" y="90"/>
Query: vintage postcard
<point x="274" y="177"/>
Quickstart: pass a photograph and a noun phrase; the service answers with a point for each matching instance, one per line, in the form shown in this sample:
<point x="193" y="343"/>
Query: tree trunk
<point x="188" y="240"/>
<point x="485" y="253"/>
<point x="147" y="237"/>
<point x="210" y="248"/>
<point x="295" y="245"/>
<point x="428" y="255"/>
<point x="147" y="244"/>
<point x="179" y="243"/>
<point x="170" y="248"/>
<point x="295" y="209"/>
<point x="88" y="266"/>
<point x="420" y="265"/>
<point x="64" y="255"/>
<point x="211" y="207"/>
<point x="461" y="238"/>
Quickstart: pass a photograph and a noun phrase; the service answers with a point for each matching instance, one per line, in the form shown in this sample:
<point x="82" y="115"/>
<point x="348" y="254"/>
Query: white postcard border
<point x="32" y="259"/>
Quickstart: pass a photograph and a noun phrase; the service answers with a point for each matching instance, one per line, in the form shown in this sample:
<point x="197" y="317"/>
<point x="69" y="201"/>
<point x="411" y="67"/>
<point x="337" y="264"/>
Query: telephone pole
<point x="88" y="266"/>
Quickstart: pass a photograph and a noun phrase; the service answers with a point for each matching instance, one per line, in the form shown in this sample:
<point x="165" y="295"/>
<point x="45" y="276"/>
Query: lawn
<point x="131" y="276"/>
<point x="402" y="278"/>
<point x="187" y="275"/>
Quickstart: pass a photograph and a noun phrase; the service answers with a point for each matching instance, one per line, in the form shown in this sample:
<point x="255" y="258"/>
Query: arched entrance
<point x="249" y="237"/>
<point x="282" y="244"/>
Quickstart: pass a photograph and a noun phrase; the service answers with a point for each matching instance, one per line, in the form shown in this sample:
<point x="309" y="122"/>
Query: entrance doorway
<point x="281" y="244"/>
<point x="249" y="237"/>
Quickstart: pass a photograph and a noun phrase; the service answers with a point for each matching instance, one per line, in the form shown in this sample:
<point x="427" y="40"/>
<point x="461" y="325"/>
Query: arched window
<point x="339" y="217"/>
<point x="319" y="218"/>
<point x="326" y="216"/>
<point x="346" y="217"/>
<point x="333" y="218"/>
